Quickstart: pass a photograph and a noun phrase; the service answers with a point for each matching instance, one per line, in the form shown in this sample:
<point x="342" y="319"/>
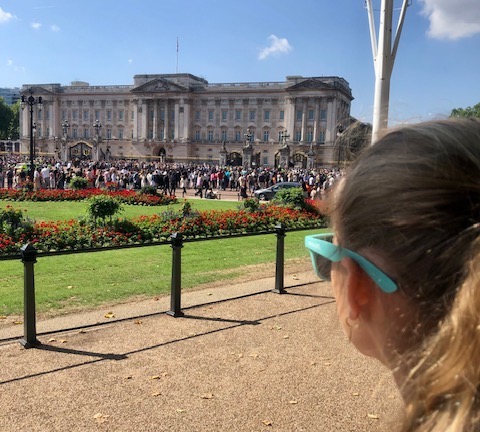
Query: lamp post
<point x="31" y="101"/>
<point x="97" y="126"/>
<point x="65" y="126"/>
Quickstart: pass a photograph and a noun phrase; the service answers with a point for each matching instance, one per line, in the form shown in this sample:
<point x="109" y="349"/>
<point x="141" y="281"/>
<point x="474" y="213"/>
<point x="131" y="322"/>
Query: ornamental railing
<point x="29" y="256"/>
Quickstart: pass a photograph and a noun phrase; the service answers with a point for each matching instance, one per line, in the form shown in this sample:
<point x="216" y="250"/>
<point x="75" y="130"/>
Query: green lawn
<point x="62" y="210"/>
<point x="68" y="282"/>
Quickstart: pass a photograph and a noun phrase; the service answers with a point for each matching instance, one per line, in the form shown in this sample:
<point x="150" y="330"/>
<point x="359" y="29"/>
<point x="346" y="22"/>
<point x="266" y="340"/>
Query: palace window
<point x="85" y="133"/>
<point x="321" y="138"/>
<point x="238" y="115"/>
<point x="97" y="115"/>
<point x="282" y="115"/>
<point x="323" y="114"/>
<point x="210" y="135"/>
<point x="109" y="115"/>
<point x="309" y="135"/>
<point x="210" y="115"/>
<point x="85" y="115"/>
<point x="252" y="115"/>
<point x="238" y="135"/>
<point x="74" y="115"/>
<point x="311" y="114"/>
<point x="266" y="115"/>
<point x="197" y="135"/>
<point x="109" y="133"/>
<point x="197" y="115"/>
<point x="75" y="133"/>
<point x="120" y="133"/>
<point x="224" y="115"/>
<point x="224" y="135"/>
<point x="266" y="135"/>
<point x="298" y="135"/>
<point x="64" y="114"/>
<point x="299" y="114"/>
<point x="120" y="115"/>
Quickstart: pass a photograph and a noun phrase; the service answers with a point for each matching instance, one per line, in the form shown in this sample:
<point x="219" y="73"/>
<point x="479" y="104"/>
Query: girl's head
<point x="411" y="204"/>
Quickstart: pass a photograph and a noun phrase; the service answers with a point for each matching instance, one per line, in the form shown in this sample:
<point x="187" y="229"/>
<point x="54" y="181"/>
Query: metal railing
<point x="29" y="255"/>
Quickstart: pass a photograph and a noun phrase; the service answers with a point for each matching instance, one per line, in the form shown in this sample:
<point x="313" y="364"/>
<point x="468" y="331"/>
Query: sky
<point x="107" y="42"/>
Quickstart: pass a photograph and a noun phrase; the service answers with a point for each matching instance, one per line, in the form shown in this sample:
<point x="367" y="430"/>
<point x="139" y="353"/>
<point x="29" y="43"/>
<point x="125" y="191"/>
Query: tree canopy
<point x="466" y="112"/>
<point x="9" y="120"/>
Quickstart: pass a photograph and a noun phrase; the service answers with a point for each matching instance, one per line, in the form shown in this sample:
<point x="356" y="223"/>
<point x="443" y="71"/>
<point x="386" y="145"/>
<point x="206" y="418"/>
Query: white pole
<point x="383" y="60"/>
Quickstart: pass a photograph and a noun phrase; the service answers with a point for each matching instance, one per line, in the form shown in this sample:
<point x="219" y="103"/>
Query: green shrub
<point x="293" y="197"/>
<point x="10" y="219"/>
<point x="103" y="206"/>
<point x="78" y="183"/>
<point x="251" y="205"/>
<point x="149" y="190"/>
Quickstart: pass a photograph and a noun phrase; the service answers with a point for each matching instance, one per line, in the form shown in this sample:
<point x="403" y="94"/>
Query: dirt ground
<point x="242" y="358"/>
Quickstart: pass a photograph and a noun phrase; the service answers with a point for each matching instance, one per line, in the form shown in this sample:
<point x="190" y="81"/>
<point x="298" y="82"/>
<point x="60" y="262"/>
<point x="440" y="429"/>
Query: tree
<point x="6" y="115"/>
<point x="14" y="127"/>
<point x="466" y="112"/>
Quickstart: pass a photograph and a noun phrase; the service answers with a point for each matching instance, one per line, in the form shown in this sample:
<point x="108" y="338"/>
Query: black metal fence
<point x="29" y="257"/>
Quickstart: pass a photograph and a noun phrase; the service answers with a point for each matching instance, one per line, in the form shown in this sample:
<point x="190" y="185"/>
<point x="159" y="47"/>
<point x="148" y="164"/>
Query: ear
<point x="360" y="290"/>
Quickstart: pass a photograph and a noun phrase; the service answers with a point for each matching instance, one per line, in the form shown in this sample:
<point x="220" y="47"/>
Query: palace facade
<point x="182" y="118"/>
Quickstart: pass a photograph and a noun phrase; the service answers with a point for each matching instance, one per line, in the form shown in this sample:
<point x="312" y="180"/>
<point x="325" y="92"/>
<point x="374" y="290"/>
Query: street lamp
<point x="65" y="127"/>
<point x="31" y="102"/>
<point x="97" y="126"/>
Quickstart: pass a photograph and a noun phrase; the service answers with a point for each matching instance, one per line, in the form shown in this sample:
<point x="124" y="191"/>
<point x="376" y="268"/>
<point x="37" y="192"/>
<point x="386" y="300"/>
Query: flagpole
<point x="177" y="56"/>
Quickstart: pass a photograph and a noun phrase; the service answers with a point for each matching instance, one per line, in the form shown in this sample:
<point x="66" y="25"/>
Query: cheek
<point x="340" y="292"/>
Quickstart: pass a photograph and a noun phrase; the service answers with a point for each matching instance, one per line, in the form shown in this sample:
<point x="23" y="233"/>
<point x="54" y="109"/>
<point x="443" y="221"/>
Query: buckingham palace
<point x="182" y="118"/>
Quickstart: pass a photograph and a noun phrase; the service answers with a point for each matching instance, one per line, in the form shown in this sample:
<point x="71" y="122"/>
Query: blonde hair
<point x="414" y="199"/>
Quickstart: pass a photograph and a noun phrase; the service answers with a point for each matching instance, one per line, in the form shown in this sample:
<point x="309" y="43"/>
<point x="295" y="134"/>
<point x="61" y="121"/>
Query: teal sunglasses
<point x="323" y="252"/>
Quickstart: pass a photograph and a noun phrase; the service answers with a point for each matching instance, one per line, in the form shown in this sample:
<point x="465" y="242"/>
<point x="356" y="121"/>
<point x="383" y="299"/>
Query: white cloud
<point x="130" y="60"/>
<point x="5" y="16"/>
<point x="55" y="28"/>
<point x="36" y="25"/>
<point x="452" y="19"/>
<point x="277" y="46"/>
<point x="9" y="62"/>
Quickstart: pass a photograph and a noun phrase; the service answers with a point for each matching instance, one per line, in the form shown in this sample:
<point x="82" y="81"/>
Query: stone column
<point x="186" y="119"/>
<point x="316" y="120"/>
<point x="176" y="121"/>
<point x="331" y="132"/>
<point x="167" y="122"/>
<point x="304" y="121"/>
<point x="155" y="119"/>
<point x="290" y="116"/>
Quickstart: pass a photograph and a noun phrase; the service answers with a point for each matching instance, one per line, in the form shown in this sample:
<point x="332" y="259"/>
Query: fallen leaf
<point x="138" y="322"/>
<point x="355" y="394"/>
<point x="295" y="277"/>
<point x="373" y="416"/>
<point x="154" y="377"/>
<point x="129" y="377"/>
<point x="267" y="422"/>
<point x="82" y="331"/>
<point x="180" y="410"/>
<point x="254" y="355"/>
<point x="313" y="363"/>
<point x="286" y="337"/>
<point x="18" y="322"/>
<point x="156" y="298"/>
<point x="70" y="286"/>
<point x="156" y="394"/>
<point x="52" y="340"/>
<point x="3" y="317"/>
<point x="101" y="418"/>
<point x="109" y="315"/>
<point x="293" y="402"/>
<point x="327" y="364"/>
<point x="210" y="294"/>
<point x="63" y="341"/>
<point x="207" y="396"/>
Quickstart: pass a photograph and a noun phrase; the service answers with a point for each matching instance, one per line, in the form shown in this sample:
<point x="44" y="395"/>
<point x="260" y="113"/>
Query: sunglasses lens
<point x="321" y="265"/>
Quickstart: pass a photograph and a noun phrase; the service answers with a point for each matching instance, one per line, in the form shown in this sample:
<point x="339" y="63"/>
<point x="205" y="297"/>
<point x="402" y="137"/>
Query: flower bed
<point x="124" y="196"/>
<point x="74" y="235"/>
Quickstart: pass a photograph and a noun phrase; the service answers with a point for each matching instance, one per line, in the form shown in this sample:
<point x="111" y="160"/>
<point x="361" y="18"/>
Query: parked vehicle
<point x="268" y="193"/>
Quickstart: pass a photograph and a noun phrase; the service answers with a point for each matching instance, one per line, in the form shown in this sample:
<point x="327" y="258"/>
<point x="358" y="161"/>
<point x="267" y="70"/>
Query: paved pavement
<point x="241" y="359"/>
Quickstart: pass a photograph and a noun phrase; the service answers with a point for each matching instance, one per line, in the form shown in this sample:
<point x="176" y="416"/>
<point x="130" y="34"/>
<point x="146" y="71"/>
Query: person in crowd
<point x="404" y="261"/>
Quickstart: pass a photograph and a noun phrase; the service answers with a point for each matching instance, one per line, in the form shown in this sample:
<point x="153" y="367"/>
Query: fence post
<point x="280" y="260"/>
<point x="176" y="285"/>
<point x="29" y="258"/>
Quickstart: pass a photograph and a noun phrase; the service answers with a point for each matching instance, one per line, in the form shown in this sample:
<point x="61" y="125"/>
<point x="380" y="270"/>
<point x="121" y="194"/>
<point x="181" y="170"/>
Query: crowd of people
<point x="171" y="179"/>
